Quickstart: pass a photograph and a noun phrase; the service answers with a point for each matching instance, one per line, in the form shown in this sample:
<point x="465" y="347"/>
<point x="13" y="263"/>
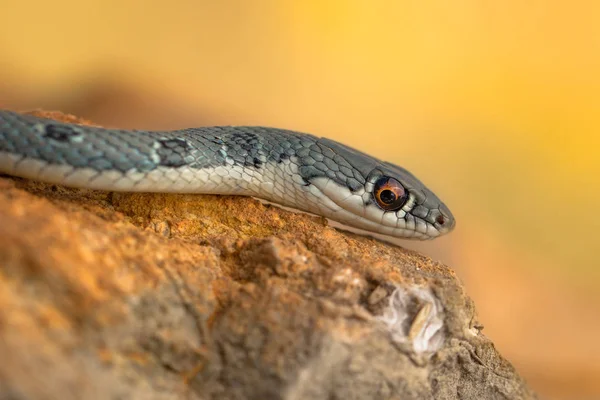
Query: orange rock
<point x="106" y="295"/>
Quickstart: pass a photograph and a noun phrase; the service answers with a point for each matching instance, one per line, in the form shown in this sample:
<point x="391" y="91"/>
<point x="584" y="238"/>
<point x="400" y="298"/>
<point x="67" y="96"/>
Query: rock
<point x="162" y="296"/>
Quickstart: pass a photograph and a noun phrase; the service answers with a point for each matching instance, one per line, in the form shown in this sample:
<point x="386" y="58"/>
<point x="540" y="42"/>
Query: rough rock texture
<point x="153" y="296"/>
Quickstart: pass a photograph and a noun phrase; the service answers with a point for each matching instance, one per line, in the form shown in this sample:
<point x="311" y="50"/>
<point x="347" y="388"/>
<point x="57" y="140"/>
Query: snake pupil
<point x="387" y="196"/>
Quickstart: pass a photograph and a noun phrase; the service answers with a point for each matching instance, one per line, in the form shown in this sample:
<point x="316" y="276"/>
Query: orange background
<point x="494" y="104"/>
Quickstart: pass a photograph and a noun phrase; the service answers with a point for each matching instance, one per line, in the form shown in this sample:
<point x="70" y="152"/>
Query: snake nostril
<point x="440" y="219"/>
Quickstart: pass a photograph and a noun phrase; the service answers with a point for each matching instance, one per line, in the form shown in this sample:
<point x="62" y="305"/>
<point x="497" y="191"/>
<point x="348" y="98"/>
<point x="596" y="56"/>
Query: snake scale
<point x="293" y="169"/>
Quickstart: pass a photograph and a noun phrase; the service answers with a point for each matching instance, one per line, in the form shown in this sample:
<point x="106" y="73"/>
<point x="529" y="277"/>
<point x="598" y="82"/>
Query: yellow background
<point x="494" y="104"/>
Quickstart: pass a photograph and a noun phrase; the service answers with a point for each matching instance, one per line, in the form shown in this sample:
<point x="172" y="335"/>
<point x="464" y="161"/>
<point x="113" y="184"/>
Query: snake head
<point x="382" y="198"/>
<point x="398" y="194"/>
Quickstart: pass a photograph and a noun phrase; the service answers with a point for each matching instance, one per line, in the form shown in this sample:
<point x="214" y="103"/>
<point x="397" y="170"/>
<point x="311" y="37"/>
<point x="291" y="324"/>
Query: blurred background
<point x="494" y="104"/>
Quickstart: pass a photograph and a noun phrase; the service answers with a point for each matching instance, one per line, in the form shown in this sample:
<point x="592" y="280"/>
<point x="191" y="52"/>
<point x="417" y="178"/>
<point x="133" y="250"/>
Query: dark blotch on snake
<point x="256" y="163"/>
<point x="282" y="157"/>
<point x="173" y="152"/>
<point x="246" y="141"/>
<point x="60" y="133"/>
<point x="246" y="149"/>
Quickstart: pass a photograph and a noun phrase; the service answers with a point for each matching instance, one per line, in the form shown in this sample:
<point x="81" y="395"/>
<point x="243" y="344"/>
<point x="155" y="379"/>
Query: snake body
<point x="294" y="169"/>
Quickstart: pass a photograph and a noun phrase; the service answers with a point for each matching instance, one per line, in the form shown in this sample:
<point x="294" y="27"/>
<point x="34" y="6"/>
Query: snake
<point x="292" y="169"/>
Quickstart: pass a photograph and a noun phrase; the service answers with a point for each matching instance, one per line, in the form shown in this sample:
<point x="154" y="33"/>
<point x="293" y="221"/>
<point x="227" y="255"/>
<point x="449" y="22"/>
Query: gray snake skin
<point x="293" y="169"/>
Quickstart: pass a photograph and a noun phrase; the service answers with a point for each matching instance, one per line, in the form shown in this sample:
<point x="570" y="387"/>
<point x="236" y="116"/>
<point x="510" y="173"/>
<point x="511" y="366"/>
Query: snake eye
<point x="389" y="193"/>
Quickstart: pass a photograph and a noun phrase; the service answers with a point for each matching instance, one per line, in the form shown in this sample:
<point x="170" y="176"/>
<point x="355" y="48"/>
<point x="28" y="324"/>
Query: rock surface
<point x="155" y="296"/>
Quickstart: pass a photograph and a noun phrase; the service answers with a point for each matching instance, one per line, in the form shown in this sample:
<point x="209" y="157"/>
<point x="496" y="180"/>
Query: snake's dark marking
<point x="246" y="148"/>
<point x="60" y="133"/>
<point x="256" y="163"/>
<point x="177" y="144"/>
<point x="246" y="141"/>
<point x="282" y="157"/>
<point x="173" y="152"/>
